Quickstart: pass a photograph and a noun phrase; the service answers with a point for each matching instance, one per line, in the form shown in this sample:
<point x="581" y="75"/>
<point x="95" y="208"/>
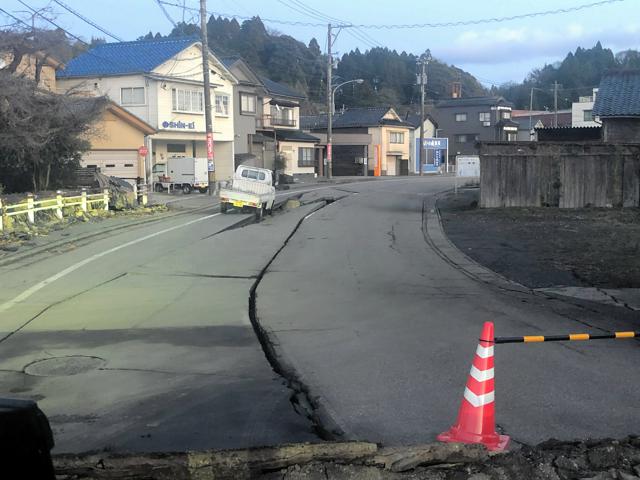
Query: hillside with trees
<point x="576" y="75"/>
<point x="389" y="76"/>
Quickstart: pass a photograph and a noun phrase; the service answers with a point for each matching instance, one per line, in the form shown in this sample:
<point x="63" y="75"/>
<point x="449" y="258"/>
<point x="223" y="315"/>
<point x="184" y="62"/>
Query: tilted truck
<point x="251" y="187"/>
<point x="186" y="174"/>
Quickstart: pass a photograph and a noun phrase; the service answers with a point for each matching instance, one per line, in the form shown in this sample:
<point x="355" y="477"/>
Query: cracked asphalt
<point x="382" y="329"/>
<point x="340" y="321"/>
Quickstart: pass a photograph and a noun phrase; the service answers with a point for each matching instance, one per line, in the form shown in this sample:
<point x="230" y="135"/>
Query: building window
<point x="176" y="148"/>
<point x="222" y="105"/>
<point x="506" y="114"/>
<point x="110" y="165"/>
<point x="128" y="164"/>
<point x="188" y="101"/>
<point x="587" y="115"/>
<point x="247" y="103"/>
<point x="485" y="116"/>
<point x="462" y="138"/>
<point x="512" y="136"/>
<point x="461" y="117"/>
<point x="132" y="96"/>
<point x="396" y="137"/>
<point x="305" y="157"/>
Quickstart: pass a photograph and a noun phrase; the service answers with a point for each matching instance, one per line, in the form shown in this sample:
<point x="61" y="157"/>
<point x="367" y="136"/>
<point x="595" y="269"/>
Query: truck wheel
<point x="186" y="189"/>
<point x="223" y="207"/>
<point x="203" y="190"/>
<point x="158" y="187"/>
<point x="259" y="212"/>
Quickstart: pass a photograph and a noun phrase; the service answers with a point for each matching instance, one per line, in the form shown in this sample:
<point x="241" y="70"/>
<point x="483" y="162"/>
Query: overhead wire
<point x="456" y="23"/>
<point x="86" y="20"/>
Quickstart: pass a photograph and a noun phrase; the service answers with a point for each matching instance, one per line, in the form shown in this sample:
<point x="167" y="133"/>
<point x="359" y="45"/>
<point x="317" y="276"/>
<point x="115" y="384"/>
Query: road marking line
<point x="39" y="286"/>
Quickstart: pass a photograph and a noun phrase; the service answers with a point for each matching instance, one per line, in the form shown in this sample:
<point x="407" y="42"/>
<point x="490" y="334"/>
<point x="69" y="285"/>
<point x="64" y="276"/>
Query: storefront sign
<point x="180" y="125"/>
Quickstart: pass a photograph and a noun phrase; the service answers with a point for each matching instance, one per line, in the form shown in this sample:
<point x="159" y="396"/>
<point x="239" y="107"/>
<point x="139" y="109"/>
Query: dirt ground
<point x="551" y="460"/>
<point x="544" y="247"/>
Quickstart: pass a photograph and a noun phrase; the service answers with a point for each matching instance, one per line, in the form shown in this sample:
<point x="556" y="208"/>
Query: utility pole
<point x="207" y="96"/>
<point x="530" y="119"/>
<point x="329" y="103"/>
<point x="423" y="61"/>
<point x="555" y="104"/>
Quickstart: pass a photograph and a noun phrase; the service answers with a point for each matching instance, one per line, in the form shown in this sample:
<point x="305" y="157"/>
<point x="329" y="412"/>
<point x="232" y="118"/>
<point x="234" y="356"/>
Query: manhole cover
<point x="62" y="366"/>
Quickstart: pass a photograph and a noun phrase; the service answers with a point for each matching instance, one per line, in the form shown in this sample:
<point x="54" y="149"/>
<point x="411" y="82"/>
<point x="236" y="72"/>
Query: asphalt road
<point x="143" y="340"/>
<point x="382" y="330"/>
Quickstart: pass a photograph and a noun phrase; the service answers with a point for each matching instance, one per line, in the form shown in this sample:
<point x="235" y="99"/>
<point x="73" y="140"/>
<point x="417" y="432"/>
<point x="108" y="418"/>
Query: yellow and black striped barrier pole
<point x="572" y="337"/>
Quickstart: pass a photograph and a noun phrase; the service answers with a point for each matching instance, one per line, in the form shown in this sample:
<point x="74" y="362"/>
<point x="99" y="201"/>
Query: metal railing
<point x="267" y="121"/>
<point x="57" y="204"/>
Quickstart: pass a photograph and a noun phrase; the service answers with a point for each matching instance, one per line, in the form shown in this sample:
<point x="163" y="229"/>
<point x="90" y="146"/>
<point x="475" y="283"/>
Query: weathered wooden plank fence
<point x="557" y="174"/>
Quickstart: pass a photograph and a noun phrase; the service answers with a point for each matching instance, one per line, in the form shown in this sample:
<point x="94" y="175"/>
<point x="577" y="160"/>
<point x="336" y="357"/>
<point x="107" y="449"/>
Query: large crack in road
<point x="301" y="399"/>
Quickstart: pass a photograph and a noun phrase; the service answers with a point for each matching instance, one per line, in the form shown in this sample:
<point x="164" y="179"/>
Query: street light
<point x="332" y="107"/>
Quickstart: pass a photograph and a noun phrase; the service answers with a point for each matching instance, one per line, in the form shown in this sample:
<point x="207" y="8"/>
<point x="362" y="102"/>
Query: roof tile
<point x="618" y="95"/>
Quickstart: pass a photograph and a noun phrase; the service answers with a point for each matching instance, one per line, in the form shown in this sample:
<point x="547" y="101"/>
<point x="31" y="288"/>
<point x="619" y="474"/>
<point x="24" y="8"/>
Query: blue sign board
<point x="435" y="149"/>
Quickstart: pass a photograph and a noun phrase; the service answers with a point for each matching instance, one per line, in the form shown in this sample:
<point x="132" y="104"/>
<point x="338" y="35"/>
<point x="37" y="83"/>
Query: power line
<point x="166" y="14"/>
<point x="460" y="23"/>
<point x="457" y="23"/>
<point x="86" y="20"/>
<point x="356" y="33"/>
<point x="15" y="18"/>
<point x="54" y="24"/>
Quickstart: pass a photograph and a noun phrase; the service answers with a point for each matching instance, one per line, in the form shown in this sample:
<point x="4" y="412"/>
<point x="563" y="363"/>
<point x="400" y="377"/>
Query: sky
<point x="494" y="53"/>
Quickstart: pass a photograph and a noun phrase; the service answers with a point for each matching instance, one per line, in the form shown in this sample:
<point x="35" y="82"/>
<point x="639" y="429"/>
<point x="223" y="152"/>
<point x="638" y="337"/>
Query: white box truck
<point x="186" y="174"/>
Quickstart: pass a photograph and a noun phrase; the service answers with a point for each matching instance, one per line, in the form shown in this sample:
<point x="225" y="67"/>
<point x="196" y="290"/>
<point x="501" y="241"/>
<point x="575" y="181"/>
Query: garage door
<point x="120" y="163"/>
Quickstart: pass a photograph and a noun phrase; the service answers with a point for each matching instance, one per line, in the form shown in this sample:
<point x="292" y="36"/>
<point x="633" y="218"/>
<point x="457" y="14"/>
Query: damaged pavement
<point x="152" y="347"/>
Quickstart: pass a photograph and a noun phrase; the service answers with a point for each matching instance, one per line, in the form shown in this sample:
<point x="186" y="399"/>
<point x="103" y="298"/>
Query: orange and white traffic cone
<point x="476" y="419"/>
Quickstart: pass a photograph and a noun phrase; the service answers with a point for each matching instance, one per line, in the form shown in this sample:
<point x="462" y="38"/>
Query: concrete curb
<point x="437" y="238"/>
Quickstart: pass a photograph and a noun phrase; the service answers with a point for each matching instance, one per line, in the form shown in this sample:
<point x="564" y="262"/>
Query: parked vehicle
<point x="185" y="173"/>
<point x="251" y="187"/>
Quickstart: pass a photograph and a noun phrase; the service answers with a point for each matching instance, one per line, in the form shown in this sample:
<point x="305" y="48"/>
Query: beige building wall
<point x="27" y="68"/>
<point x="289" y="150"/>
<point x="390" y="151"/>
<point x="111" y="132"/>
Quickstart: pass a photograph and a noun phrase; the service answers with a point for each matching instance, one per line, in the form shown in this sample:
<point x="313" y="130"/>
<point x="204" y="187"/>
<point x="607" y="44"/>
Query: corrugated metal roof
<point x="123" y="58"/>
<point x="618" y="95"/>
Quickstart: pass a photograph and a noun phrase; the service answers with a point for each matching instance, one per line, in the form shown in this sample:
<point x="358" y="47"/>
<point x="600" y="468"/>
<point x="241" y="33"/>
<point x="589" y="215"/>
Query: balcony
<point x="270" y="121"/>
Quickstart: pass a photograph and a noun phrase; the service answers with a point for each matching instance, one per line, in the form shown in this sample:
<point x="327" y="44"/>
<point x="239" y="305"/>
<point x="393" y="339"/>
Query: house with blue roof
<point x="161" y="82"/>
<point x="618" y="106"/>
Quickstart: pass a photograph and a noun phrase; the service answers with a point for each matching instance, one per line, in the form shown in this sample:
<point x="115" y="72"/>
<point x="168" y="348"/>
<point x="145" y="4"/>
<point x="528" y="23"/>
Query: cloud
<point x="507" y="45"/>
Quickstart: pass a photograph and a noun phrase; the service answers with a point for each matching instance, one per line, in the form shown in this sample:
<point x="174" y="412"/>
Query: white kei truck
<point x="185" y="173"/>
<point x="250" y="187"/>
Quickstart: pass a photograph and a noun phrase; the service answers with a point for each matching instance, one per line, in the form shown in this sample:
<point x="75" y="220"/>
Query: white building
<point x="161" y="81"/>
<point x="581" y="111"/>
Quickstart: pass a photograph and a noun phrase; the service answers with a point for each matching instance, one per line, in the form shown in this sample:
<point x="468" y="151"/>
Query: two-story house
<point x="372" y="140"/>
<point x="465" y="121"/>
<point x="161" y="82"/>
<point x="267" y="130"/>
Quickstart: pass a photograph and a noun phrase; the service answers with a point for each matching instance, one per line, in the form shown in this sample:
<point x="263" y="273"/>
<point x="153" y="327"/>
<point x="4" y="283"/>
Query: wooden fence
<point x="565" y="175"/>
